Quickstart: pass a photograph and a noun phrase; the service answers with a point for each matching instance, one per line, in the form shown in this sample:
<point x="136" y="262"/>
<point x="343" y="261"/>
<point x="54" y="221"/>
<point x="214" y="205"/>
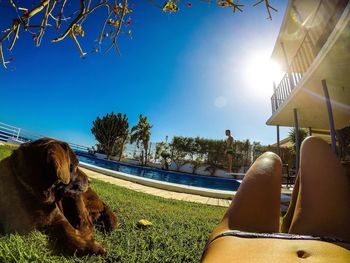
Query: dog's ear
<point x="59" y="162"/>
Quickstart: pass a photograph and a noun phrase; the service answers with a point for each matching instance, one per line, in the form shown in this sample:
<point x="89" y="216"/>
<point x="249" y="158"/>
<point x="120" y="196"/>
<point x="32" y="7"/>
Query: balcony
<point x="320" y="25"/>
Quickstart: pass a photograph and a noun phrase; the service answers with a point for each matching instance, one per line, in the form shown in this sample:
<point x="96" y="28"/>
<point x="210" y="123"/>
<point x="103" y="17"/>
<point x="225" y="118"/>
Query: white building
<point x="313" y="47"/>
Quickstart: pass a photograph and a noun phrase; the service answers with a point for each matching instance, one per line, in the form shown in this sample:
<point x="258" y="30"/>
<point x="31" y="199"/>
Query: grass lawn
<point x="6" y="150"/>
<point x="179" y="232"/>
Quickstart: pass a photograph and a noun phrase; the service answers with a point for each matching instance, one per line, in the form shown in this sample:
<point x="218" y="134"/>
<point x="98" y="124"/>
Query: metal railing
<point x="79" y="148"/>
<point x="323" y="23"/>
<point x="9" y="133"/>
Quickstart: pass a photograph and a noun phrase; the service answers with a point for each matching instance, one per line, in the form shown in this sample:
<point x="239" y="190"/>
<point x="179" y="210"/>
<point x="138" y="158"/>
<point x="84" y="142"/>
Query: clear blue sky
<point x="192" y="73"/>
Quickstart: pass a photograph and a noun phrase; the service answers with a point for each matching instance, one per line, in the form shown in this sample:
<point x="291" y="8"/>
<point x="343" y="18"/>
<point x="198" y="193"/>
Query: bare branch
<point x="2" y="57"/>
<point x="50" y="10"/>
<point x="72" y="35"/>
<point x="124" y="10"/>
<point x="231" y="4"/>
<point x="81" y="15"/>
<point x="36" y="10"/>
<point x="268" y="7"/>
<point x="58" y="23"/>
<point x="16" y="23"/>
<point x="104" y="26"/>
<point x="88" y="7"/>
<point x="15" y="6"/>
<point x="75" y="21"/>
<point x="15" y="37"/>
<point x="7" y="34"/>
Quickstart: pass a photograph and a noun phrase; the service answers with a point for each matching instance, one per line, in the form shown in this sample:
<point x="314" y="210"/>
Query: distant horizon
<point x="194" y="73"/>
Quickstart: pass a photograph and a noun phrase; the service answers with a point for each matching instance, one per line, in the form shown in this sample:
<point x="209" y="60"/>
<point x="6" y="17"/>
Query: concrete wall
<point x="186" y="168"/>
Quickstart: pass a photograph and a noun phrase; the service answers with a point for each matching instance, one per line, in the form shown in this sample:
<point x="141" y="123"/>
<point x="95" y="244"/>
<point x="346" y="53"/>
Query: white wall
<point x="186" y="168"/>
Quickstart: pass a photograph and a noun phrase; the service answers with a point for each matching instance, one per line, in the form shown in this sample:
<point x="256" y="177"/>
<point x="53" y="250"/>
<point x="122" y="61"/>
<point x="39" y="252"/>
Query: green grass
<point x="179" y="232"/>
<point x="6" y="150"/>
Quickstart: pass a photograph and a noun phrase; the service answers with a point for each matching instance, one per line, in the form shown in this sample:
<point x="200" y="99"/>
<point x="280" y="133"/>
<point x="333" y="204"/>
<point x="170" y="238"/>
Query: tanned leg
<point x="287" y="219"/>
<point x="256" y="206"/>
<point x="259" y="195"/>
<point x="323" y="206"/>
<point x="229" y="161"/>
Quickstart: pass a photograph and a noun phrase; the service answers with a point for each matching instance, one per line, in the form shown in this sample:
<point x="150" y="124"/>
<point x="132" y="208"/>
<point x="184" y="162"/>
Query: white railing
<point x="9" y="133"/>
<point x="326" y="16"/>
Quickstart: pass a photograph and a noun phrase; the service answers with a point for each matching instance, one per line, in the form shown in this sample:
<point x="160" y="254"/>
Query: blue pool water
<point x="165" y="176"/>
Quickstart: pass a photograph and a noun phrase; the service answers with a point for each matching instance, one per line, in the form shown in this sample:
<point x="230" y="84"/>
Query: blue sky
<point x="192" y="73"/>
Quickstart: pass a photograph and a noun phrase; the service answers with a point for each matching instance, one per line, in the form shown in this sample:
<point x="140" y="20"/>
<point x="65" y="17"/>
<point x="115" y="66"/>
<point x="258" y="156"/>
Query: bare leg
<point x="256" y="206"/>
<point x="229" y="161"/>
<point x="287" y="219"/>
<point x="322" y="206"/>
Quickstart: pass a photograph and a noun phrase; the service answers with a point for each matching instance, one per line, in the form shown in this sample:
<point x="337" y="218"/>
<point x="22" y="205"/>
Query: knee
<point x="311" y="140"/>
<point x="270" y="159"/>
<point x="271" y="156"/>
<point x="313" y="144"/>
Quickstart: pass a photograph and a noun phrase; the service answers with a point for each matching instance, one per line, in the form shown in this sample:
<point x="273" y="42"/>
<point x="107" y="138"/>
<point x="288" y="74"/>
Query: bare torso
<point x="230" y="249"/>
<point x="229" y="142"/>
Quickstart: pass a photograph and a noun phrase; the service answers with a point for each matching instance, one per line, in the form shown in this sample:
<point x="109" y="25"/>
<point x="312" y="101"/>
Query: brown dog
<point x="42" y="188"/>
<point x="84" y="211"/>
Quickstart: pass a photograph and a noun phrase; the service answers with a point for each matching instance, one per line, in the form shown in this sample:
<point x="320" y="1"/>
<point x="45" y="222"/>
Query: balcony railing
<point x="323" y="23"/>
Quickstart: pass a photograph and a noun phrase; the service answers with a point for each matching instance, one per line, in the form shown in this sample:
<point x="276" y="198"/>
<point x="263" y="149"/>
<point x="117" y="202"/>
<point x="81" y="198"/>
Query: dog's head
<point x="47" y="166"/>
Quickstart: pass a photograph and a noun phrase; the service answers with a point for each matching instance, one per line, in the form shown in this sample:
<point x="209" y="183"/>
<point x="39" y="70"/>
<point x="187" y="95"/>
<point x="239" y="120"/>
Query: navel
<point x="302" y="254"/>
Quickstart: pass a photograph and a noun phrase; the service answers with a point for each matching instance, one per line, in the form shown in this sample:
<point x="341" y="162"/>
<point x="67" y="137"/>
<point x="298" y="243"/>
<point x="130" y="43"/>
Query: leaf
<point x="144" y="223"/>
<point x="170" y="7"/>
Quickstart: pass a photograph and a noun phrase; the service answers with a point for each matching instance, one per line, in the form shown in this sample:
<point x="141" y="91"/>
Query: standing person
<point x="229" y="150"/>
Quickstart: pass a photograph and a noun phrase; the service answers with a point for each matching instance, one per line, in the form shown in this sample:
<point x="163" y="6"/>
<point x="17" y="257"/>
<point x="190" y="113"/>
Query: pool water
<point x="165" y="176"/>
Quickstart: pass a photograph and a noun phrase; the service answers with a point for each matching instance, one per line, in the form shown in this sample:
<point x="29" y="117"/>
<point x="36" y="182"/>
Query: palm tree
<point x="302" y="134"/>
<point x="141" y="133"/>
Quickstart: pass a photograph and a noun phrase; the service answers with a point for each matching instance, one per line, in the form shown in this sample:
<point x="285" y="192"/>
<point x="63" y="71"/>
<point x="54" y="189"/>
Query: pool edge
<point x="161" y="185"/>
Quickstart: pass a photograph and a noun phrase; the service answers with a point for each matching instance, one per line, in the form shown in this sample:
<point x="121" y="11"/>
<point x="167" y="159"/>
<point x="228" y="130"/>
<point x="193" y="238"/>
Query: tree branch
<point x="125" y="5"/>
<point x="114" y="17"/>
<point x="268" y="7"/>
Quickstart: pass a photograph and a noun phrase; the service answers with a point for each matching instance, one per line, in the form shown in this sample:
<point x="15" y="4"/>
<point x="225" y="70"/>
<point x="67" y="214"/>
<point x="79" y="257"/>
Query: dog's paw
<point x="98" y="249"/>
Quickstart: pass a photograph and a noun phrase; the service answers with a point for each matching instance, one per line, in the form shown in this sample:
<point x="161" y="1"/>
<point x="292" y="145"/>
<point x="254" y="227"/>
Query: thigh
<point x="256" y="206"/>
<point x="322" y="206"/>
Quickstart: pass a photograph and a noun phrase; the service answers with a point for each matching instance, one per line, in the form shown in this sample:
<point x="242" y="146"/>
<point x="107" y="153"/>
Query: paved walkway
<point x="158" y="192"/>
<point x="175" y="195"/>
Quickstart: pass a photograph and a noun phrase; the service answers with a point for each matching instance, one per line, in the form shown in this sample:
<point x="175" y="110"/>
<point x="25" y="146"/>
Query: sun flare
<point x="261" y="72"/>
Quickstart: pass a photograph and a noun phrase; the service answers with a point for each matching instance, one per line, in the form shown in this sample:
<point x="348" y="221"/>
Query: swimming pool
<point x="165" y="176"/>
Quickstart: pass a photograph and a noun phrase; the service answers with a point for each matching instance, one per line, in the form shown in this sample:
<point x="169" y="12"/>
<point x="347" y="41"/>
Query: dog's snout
<point x="80" y="184"/>
<point x="75" y="187"/>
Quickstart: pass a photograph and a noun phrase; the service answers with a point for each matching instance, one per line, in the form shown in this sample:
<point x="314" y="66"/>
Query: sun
<point x="260" y="73"/>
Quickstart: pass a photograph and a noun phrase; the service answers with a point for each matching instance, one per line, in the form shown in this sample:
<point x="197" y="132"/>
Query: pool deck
<point x="163" y="193"/>
<point x="157" y="192"/>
